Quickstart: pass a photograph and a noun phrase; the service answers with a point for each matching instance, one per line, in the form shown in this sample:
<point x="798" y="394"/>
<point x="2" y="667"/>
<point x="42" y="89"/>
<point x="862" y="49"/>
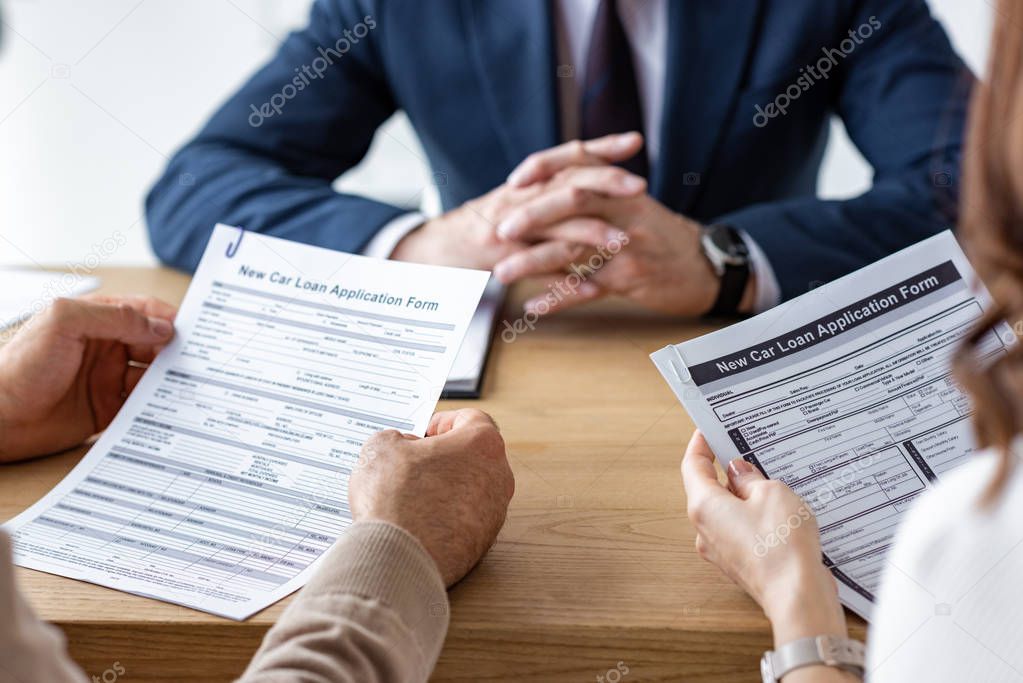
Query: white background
<point x="96" y="95"/>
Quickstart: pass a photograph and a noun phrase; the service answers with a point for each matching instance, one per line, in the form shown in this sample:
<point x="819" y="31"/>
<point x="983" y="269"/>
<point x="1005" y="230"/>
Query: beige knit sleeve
<point x="376" y="611"/>
<point x="30" y="650"/>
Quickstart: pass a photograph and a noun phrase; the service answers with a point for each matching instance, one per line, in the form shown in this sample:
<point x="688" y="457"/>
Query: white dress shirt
<point x="646" y="27"/>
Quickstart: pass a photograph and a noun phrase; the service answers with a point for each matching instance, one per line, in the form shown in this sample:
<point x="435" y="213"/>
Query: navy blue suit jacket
<point x="477" y="78"/>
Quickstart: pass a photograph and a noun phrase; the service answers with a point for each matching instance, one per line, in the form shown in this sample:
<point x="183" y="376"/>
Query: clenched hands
<point x="450" y="490"/>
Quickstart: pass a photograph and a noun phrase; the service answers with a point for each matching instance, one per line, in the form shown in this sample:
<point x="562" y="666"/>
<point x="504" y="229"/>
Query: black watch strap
<point x="724" y="247"/>
<point x="733" y="285"/>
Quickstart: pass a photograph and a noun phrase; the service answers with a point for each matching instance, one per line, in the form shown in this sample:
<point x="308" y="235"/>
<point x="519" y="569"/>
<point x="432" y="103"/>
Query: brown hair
<point x="991" y="226"/>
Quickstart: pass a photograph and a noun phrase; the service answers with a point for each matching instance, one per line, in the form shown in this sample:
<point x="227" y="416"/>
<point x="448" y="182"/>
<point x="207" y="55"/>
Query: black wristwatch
<point x="726" y="250"/>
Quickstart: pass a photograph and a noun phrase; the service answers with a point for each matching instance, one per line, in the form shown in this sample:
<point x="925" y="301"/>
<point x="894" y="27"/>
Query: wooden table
<point x="595" y="566"/>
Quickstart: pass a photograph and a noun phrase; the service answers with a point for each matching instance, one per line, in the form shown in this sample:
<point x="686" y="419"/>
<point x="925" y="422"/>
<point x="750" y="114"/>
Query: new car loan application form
<point x="224" y="476"/>
<point x="845" y="394"/>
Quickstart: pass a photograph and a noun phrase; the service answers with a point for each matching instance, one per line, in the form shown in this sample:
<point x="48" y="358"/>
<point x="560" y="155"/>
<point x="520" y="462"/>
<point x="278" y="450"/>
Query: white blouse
<point x="951" y="602"/>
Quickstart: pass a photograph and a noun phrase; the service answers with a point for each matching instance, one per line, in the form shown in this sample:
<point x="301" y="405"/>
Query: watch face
<point x="729" y="243"/>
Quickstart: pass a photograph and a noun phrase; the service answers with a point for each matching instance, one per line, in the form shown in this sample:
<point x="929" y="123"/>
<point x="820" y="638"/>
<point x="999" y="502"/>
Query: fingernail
<point x="740" y="467"/>
<point x="631" y="183"/>
<point x="501" y="272"/>
<point x="624" y="140"/>
<point x="588" y="289"/>
<point x="160" y="327"/>
<point x="516" y="177"/>
<point x="509" y="227"/>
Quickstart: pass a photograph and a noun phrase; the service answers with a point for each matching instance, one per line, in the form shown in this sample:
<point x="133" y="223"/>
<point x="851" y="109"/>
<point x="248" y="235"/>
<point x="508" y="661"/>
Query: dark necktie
<point x="610" y="98"/>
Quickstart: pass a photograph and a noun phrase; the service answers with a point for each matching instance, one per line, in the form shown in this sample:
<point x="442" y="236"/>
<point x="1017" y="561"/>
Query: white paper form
<point x="224" y="476"/>
<point x="845" y="394"/>
<point x="24" y="292"/>
<point x="466" y="376"/>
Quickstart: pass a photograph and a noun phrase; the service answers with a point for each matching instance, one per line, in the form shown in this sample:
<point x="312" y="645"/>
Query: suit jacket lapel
<point x="709" y="44"/>
<point x="512" y="43"/>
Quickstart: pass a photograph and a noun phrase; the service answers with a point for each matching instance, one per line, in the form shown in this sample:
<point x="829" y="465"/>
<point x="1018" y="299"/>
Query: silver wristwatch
<point x="842" y="653"/>
<point x="728" y="255"/>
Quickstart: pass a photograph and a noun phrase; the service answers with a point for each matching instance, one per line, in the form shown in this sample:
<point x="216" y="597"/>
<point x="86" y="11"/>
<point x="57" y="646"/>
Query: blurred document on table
<point x="846" y="395"/>
<point x="225" y="476"/>
<point x="466" y="378"/>
<point x="24" y="292"/>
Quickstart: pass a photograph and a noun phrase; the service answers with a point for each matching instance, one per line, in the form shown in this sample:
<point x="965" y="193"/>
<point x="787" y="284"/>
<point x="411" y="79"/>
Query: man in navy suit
<point x="703" y="123"/>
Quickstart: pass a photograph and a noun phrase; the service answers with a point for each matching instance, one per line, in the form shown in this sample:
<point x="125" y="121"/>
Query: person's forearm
<point x="30" y="650"/>
<point x="238" y="187"/>
<point x="811" y="608"/>
<point x="812" y="620"/>
<point x="270" y="167"/>
<point x="375" y="611"/>
<point x="836" y="238"/>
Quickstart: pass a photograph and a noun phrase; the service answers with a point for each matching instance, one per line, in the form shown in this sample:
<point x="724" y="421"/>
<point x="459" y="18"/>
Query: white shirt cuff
<point x="386" y="240"/>
<point x="768" y="293"/>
